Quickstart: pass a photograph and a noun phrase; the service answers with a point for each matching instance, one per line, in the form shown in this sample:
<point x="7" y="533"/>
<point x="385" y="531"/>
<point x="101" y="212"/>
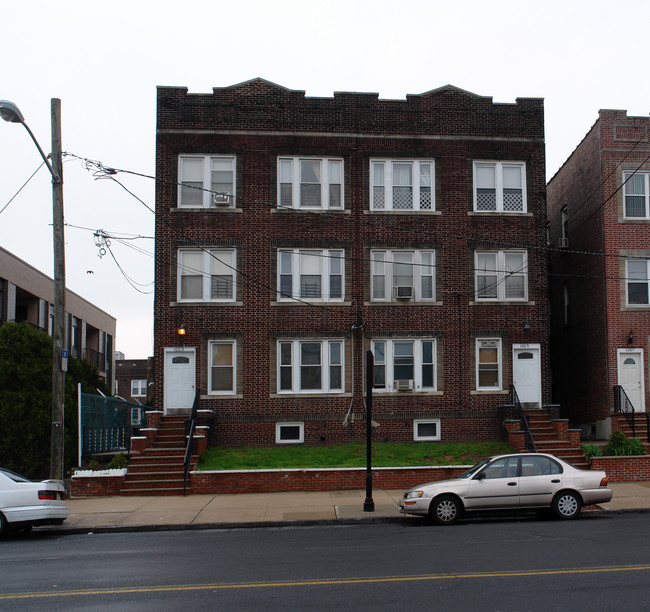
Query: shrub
<point x="591" y="450"/>
<point x="118" y="462"/>
<point x="620" y="445"/>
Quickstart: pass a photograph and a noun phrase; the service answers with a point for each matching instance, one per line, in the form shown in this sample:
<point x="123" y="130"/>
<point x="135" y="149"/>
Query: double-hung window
<point x="310" y="182"/>
<point x="206" y="181"/>
<point x="636" y="190"/>
<point x="405" y="364"/>
<point x="222" y="367"/>
<point x="488" y="364"/>
<point x="310" y="274"/>
<point x="401" y="184"/>
<point x="310" y="366"/>
<point x="501" y="276"/>
<point x="206" y="275"/>
<point x="138" y="388"/>
<point x="500" y="187"/>
<point x="402" y="275"/>
<point x="638" y="282"/>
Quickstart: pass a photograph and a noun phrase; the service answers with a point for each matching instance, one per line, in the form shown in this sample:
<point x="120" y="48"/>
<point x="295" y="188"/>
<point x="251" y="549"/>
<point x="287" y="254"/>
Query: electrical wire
<point x="22" y="187"/>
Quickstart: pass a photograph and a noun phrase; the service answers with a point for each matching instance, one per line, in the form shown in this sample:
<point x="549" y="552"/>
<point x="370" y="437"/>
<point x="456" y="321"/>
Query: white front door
<point x="180" y="377"/>
<point x="630" y="369"/>
<point x="527" y="374"/>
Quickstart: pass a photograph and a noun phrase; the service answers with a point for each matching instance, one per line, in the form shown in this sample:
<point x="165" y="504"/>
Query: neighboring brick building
<point x="309" y="230"/>
<point x="26" y="294"/>
<point x="134" y="379"/>
<point x="599" y="212"/>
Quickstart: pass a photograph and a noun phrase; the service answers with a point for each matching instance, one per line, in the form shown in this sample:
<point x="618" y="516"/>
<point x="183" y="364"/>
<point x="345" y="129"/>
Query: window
<point x="310" y="366"/>
<point x="138" y="388"/>
<point x="289" y="433"/>
<point x="426" y="430"/>
<point x="401" y="185"/>
<point x="539" y="466"/>
<point x="638" y="282"/>
<point x="500" y="187"/>
<point x="636" y="192"/>
<point x="564" y="228"/>
<point x="501" y="275"/>
<point x="221" y="367"/>
<point x="405" y="365"/>
<point x="488" y="364"/>
<point x="206" y="275"/>
<point x="506" y="467"/>
<point x="206" y="181"/>
<point x="314" y="183"/>
<point x="398" y="275"/>
<point x="310" y="274"/>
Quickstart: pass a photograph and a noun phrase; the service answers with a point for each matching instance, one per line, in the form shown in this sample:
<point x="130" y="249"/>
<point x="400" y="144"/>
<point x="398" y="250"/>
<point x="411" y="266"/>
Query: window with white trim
<point x="426" y="430"/>
<point x="499" y="187"/>
<point x="310" y="182"/>
<point x="501" y="276"/>
<point x="488" y="364"/>
<point x="311" y="274"/>
<point x="401" y="184"/>
<point x="637" y="272"/>
<point x="138" y="388"/>
<point x="222" y="367"/>
<point x="206" y="181"/>
<point x="206" y="275"/>
<point x="405" y="364"/>
<point x="397" y="275"/>
<point x="289" y="433"/>
<point x="636" y="191"/>
<point x="310" y="366"/>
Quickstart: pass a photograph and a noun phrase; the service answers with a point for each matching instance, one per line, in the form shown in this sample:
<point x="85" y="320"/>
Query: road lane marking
<point x="324" y="582"/>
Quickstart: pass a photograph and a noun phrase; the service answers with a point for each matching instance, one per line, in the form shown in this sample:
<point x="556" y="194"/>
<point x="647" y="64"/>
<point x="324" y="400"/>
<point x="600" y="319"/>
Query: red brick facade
<point x="265" y="131"/>
<point x="594" y="327"/>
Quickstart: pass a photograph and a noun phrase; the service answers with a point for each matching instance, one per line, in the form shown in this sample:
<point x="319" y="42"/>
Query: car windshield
<point x="15" y="477"/>
<point x="474" y="469"/>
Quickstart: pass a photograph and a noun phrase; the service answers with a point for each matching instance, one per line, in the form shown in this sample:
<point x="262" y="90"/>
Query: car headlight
<point x="412" y="494"/>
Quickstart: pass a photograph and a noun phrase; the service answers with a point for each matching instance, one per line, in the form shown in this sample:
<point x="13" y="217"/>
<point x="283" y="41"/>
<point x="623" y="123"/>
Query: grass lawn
<point x="348" y="455"/>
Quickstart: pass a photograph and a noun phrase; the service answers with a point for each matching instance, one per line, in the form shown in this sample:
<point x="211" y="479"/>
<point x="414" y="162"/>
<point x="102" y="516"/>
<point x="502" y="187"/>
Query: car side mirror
<point x="480" y="475"/>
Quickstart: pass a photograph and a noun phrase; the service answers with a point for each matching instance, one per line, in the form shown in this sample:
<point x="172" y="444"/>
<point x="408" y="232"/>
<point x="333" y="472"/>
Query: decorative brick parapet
<point x="153" y="418"/>
<point x="574" y="436"/>
<point x="138" y="444"/>
<point x="561" y="428"/>
<point x="623" y="469"/>
<point x="330" y="479"/>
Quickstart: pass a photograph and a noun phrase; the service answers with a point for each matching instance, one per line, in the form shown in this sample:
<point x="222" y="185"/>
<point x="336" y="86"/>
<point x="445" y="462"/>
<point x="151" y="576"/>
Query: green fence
<point x="107" y="423"/>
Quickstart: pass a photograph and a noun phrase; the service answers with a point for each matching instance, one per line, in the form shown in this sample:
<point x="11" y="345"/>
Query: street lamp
<point x="10" y="112"/>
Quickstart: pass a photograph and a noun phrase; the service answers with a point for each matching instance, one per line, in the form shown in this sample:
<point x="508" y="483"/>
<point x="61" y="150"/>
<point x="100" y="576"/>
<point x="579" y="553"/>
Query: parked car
<point x="510" y="482"/>
<point x="24" y="504"/>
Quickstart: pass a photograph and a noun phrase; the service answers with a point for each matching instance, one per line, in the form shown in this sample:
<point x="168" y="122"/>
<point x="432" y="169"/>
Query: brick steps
<point x="159" y="470"/>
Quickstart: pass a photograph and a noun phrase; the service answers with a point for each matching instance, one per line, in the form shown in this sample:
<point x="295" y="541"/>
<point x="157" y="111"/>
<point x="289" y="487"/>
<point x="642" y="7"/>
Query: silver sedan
<point x="510" y="482"/>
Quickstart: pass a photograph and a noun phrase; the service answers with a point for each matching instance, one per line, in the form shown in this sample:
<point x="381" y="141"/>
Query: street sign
<point x="64" y="360"/>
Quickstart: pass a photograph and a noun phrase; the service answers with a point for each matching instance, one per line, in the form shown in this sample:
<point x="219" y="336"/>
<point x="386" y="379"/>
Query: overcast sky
<point x="105" y="59"/>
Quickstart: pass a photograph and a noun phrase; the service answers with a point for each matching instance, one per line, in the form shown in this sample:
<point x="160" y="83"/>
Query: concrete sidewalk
<point x="266" y="509"/>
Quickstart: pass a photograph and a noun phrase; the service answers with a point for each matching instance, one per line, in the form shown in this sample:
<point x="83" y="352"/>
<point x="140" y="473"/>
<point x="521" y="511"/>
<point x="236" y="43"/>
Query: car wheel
<point x="444" y="510"/>
<point x="566" y="505"/>
<point x="3" y="525"/>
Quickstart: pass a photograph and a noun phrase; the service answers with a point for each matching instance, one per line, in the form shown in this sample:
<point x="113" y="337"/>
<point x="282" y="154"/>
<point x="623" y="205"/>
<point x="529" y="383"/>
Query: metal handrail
<point x="624" y="405"/>
<point x="530" y="442"/>
<point x="189" y="449"/>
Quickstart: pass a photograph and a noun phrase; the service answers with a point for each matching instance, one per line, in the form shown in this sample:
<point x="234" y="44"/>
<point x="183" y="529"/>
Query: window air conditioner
<point x="404" y="384"/>
<point x="404" y="292"/>
<point x="221" y="199"/>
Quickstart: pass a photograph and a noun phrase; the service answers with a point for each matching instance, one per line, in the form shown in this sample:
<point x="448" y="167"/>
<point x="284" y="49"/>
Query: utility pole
<point x="58" y="331"/>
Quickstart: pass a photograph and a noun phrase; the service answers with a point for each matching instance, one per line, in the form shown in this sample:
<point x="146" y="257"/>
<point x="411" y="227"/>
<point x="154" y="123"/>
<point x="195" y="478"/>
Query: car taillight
<point x="48" y="495"/>
<point x="603" y="482"/>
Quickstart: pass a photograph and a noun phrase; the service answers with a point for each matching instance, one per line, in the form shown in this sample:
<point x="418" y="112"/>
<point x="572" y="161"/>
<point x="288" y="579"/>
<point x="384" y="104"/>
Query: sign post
<point x="369" y="504"/>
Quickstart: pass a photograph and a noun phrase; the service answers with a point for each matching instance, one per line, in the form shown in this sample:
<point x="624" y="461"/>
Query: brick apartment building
<point x="133" y="378"/>
<point x="599" y="213"/>
<point x="294" y="233"/>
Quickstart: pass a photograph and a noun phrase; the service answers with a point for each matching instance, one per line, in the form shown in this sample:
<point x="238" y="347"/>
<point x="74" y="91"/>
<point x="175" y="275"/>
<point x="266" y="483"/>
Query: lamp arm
<point x="55" y="177"/>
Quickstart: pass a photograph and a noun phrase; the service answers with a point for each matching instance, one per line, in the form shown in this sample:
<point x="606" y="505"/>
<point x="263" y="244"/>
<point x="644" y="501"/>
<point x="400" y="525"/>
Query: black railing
<point x="623" y="405"/>
<point x="519" y="411"/>
<point x="190" y="426"/>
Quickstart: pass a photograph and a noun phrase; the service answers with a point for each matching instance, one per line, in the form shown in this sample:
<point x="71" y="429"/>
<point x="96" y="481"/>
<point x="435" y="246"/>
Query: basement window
<point x="426" y="430"/>
<point x="289" y="433"/>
